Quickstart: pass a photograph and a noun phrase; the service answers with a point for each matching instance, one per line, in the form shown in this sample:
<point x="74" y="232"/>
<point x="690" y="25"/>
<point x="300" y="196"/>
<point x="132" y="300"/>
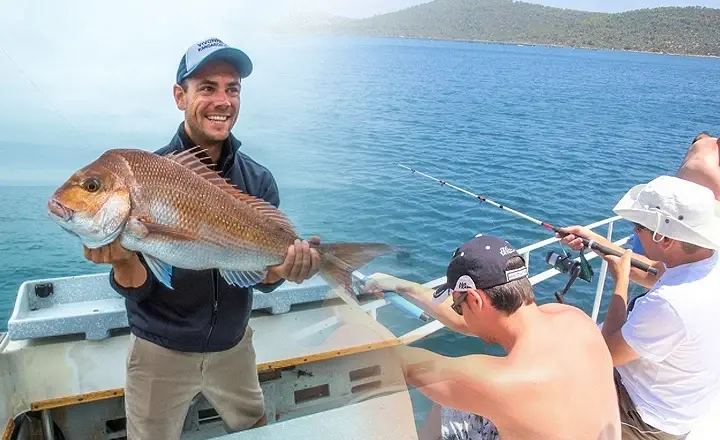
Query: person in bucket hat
<point x="701" y="165"/>
<point x="527" y="393"/>
<point x="665" y="351"/>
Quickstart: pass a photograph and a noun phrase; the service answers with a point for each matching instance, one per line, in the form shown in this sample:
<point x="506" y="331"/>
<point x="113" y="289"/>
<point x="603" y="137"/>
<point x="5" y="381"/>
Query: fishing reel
<point x="564" y="263"/>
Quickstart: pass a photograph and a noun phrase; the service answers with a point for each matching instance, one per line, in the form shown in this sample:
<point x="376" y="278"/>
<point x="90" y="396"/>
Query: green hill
<point x="687" y="30"/>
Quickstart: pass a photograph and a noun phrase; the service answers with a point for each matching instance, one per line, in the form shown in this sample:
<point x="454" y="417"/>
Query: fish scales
<point x="173" y="194"/>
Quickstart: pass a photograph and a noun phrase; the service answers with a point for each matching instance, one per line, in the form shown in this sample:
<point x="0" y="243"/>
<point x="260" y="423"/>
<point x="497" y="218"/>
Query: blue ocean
<point x="557" y="133"/>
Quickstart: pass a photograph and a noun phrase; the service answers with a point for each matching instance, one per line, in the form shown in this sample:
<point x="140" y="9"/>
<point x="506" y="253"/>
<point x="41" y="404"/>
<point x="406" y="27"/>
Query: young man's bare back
<point x="556" y="381"/>
<point x="702" y="164"/>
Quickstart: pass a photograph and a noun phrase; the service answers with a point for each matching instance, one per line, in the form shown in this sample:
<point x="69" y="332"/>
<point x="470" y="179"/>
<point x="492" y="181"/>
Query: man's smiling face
<point x="210" y="99"/>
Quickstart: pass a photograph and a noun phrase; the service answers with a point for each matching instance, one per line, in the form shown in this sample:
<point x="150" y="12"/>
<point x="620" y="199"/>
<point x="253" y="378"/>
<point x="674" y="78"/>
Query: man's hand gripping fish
<point x="178" y="212"/>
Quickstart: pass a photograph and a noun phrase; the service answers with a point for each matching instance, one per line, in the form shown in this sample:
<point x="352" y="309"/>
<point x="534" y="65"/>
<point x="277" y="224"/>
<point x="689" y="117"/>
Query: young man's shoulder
<point x="557" y="311"/>
<point x="574" y="328"/>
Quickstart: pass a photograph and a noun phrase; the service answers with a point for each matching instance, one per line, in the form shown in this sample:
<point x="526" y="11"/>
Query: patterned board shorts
<point x="459" y="425"/>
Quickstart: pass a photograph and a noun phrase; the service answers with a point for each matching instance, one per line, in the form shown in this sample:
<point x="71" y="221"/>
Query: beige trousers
<point x="633" y="427"/>
<point x="161" y="384"/>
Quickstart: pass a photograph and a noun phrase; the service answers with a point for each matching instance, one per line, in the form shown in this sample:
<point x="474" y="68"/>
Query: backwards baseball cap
<point x="212" y="49"/>
<point x="480" y="264"/>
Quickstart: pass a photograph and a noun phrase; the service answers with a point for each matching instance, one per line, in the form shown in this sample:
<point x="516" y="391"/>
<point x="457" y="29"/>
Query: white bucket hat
<point x="674" y="208"/>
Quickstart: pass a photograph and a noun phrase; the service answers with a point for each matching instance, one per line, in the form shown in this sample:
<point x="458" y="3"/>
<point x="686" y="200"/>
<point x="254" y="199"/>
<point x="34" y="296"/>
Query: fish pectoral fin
<point x="146" y="226"/>
<point x="161" y="270"/>
<point x="243" y="279"/>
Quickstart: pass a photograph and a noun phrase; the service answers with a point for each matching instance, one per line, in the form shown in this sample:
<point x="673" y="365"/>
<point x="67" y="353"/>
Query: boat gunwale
<point x="93" y="396"/>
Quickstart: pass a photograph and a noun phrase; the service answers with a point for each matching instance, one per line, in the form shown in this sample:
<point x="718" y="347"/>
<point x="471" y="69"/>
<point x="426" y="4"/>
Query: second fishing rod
<point x="587" y="243"/>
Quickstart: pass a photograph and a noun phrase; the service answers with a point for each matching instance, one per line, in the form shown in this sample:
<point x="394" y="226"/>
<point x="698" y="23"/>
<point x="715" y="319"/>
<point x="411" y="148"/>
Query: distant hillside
<point x="688" y="30"/>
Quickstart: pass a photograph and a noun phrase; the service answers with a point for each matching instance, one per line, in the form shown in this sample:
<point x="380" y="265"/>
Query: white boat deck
<point x="386" y="417"/>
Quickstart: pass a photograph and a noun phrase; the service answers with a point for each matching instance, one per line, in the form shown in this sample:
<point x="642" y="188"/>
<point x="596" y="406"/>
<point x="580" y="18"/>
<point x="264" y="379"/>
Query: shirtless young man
<point x="702" y="163"/>
<point x="556" y="381"/>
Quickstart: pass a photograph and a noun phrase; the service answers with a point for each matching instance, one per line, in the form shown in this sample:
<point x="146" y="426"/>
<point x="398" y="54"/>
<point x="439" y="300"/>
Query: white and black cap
<point x="212" y="49"/>
<point x="481" y="263"/>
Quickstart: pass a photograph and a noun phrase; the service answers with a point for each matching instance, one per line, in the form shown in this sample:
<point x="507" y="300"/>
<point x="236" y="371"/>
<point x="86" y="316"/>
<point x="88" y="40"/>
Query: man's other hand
<point x="128" y="270"/>
<point x="620" y="266"/>
<point x="301" y="262"/>
<point x="112" y="253"/>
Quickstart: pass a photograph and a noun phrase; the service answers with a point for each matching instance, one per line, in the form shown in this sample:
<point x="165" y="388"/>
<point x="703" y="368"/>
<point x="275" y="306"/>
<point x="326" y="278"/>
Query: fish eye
<point x="90" y="185"/>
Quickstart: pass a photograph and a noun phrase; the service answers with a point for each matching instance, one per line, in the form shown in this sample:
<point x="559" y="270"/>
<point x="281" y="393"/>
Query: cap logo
<point x="506" y="251"/>
<point x="211" y="42"/>
<point x="464" y="283"/>
<point x="516" y="274"/>
<point x="439" y="293"/>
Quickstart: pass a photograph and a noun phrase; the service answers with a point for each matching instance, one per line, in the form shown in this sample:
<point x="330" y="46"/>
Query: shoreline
<point x="513" y="43"/>
<point x="564" y="46"/>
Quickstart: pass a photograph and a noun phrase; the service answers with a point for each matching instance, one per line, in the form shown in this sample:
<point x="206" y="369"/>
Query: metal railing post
<point x="601" y="282"/>
<point x="48" y="425"/>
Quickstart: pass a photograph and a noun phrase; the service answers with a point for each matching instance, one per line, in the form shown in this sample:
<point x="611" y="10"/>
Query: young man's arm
<point x="421" y="296"/>
<point x="463" y="383"/>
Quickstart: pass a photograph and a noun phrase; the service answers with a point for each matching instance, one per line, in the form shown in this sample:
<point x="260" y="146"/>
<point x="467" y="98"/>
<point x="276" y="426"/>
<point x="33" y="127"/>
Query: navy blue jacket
<point x="203" y="313"/>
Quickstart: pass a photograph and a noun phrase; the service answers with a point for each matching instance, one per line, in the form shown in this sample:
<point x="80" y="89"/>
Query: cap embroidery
<point x="516" y="274"/>
<point x="212" y="42"/>
<point x="465" y="283"/>
<point x="506" y="250"/>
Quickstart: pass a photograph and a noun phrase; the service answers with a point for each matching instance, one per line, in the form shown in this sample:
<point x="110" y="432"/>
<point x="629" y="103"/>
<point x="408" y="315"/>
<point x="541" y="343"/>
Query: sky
<point x="77" y="68"/>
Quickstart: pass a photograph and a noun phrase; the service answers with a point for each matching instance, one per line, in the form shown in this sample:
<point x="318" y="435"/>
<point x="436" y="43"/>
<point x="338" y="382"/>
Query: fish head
<point x="94" y="203"/>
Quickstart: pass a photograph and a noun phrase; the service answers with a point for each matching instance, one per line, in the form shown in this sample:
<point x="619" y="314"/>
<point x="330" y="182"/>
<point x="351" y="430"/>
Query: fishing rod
<point x="586" y="243"/>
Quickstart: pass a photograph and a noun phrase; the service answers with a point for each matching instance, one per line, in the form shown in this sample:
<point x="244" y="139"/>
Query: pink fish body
<point x="177" y="212"/>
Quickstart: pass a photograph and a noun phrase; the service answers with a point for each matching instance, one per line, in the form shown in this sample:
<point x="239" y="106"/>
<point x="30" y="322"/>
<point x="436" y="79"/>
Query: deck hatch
<point x="364" y="373"/>
<point x="267" y="376"/>
<point x="313" y="393"/>
<point x="366" y="386"/>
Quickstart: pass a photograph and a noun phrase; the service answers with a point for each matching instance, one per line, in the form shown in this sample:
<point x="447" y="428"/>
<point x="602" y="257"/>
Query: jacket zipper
<point x="213" y="319"/>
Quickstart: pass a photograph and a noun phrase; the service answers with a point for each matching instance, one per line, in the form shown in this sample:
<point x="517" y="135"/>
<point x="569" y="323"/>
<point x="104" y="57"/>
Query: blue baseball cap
<point x="212" y="49"/>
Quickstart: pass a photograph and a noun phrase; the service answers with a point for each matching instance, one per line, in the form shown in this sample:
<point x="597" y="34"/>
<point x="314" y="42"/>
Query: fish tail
<point x="340" y="260"/>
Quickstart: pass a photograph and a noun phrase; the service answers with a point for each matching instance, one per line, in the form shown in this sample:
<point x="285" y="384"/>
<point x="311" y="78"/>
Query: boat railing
<point x="432" y="327"/>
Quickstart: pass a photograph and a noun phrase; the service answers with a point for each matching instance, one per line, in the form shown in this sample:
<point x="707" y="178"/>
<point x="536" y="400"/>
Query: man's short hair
<point x="702" y="135"/>
<point x="509" y="297"/>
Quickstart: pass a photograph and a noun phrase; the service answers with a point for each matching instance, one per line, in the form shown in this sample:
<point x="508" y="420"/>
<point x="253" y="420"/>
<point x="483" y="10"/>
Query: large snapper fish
<point x="177" y="212"/>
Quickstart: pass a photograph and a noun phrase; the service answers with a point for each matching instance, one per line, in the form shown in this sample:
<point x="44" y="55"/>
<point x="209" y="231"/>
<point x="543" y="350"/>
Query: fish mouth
<point x="59" y="211"/>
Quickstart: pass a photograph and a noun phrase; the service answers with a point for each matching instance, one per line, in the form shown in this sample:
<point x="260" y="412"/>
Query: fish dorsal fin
<point x="192" y="160"/>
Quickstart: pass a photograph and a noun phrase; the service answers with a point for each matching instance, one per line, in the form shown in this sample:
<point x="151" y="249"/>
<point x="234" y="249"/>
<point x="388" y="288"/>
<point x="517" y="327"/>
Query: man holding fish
<point x="196" y="338"/>
<point x="190" y="231"/>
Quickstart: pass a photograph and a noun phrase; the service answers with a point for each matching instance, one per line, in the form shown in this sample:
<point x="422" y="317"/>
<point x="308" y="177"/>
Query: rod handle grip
<point x="409" y="308"/>
<point x="608" y="251"/>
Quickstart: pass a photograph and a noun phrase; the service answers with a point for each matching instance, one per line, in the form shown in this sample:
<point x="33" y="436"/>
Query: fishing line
<point x="42" y="94"/>
<point x="586" y="243"/>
